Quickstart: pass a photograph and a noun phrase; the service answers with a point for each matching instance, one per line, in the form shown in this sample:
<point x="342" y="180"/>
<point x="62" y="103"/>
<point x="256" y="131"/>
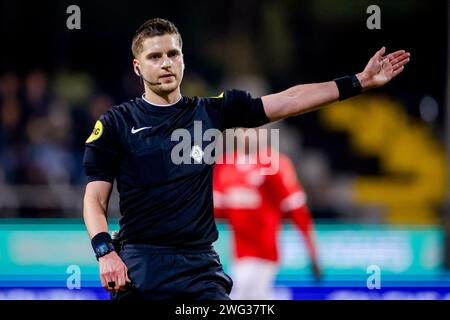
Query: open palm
<point x="383" y="68"/>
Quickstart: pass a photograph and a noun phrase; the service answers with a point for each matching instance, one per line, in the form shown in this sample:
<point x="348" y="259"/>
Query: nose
<point x="166" y="61"/>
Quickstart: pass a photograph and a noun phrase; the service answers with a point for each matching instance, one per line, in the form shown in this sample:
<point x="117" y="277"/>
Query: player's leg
<point x="152" y="271"/>
<point x="202" y="276"/>
<point x="166" y="273"/>
<point x="243" y="277"/>
<point x="266" y="278"/>
<point x="253" y="278"/>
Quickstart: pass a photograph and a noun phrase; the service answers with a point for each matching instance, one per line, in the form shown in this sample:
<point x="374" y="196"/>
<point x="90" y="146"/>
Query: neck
<point x="162" y="99"/>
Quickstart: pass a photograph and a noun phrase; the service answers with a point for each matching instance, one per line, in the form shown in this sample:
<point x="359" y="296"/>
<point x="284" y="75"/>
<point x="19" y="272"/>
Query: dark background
<point x="282" y="42"/>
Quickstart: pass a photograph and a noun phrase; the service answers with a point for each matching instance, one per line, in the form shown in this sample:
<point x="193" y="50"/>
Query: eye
<point x="154" y="57"/>
<point x="173" y="54"/>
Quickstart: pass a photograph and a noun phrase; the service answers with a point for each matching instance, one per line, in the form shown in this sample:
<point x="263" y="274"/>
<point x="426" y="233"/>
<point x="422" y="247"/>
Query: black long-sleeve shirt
<point x="162" y="202"/>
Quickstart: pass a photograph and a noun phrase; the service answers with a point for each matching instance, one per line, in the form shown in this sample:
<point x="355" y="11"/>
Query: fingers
<point x="113" y="281"/>
<point x="120" y="284"/>
<point x="107" y="278"/>
<point x="114" y="277"/>
<point x="112" y="285"/>
<point x="393" y="63"/>
<point x="104" y="281"/>
<point x="378" y="55"/>
<point x="400" y="61"/>
<point x="395" y="54"/>
<point x="399" y="66"/>
<point x="398" y="58"/>
<point x="104" y="277"/>
<point x="381" y="52"/>
<point x="397" y="71"/>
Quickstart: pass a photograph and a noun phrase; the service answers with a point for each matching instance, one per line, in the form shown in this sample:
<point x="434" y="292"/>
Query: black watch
<point x="103" y="249"/>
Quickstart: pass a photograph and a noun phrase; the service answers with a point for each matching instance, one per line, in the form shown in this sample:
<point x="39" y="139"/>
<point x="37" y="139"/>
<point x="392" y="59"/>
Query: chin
<point x="168" y="88"/>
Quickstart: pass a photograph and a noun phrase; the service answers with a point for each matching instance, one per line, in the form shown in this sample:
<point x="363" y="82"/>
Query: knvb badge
<point x="197" y="154"/>
<point x="256" y="141"/>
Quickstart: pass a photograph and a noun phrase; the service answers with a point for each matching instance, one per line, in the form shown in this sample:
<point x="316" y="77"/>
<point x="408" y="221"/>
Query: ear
<point x="136" y="67"/>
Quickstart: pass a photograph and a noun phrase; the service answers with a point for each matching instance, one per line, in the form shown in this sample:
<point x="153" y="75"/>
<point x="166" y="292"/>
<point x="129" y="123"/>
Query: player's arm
<point x="95" y="206"/>
<point x="306" y="97"/>
<point x="302" y="218"/>
<point x="101" y="161"/>
<point x="295" y="205"/>
<point x="292" y="198"/>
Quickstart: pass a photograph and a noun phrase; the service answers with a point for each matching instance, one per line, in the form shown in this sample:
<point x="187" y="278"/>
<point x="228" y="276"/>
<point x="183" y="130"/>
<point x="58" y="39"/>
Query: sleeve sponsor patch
<point x="96" y="133"/>
<point x="220" y="96"/>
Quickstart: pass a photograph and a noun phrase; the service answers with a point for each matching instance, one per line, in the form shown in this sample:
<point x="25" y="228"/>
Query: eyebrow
<point x="156" y="53"/>
<point x="152" y="54"/>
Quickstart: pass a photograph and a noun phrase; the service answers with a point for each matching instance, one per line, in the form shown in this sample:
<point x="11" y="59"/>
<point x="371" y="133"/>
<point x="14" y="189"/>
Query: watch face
<point x="103" y="248"/>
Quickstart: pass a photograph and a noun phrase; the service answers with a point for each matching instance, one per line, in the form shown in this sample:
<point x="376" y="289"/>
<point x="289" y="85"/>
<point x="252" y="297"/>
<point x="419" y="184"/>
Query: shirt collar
<point x="161" y="105"/>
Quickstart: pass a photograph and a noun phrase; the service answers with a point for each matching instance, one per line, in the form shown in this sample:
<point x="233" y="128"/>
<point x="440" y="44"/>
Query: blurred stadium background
<point x="375" y="168"/>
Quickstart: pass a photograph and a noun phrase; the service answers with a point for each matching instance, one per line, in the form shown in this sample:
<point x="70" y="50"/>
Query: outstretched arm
<point x="306" y="97"/>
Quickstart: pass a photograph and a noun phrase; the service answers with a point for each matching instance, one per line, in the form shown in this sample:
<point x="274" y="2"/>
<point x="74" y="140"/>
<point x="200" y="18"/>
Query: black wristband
<point x="102" y="244"/>
<point x="348" y="86"/>
<point x="100" y="238"/>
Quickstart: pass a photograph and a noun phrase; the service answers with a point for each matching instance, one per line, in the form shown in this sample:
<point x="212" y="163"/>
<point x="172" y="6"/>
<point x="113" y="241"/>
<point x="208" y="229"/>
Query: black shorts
<point x="162" y="273"/>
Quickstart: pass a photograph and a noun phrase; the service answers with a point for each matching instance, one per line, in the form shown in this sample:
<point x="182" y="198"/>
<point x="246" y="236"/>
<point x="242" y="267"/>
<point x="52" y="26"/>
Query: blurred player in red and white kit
<point x="255" y="204"/>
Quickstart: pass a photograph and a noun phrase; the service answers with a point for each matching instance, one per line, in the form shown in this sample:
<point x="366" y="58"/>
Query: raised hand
<point x="383" y="68"/>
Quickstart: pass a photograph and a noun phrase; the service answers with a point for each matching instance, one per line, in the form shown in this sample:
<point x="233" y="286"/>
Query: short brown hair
<point x="152" y="28"/>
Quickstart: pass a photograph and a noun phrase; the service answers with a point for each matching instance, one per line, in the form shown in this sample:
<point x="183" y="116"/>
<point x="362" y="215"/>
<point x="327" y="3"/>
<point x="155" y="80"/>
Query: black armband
<point x="348" y="86"/>
<point x="102" y="244"/>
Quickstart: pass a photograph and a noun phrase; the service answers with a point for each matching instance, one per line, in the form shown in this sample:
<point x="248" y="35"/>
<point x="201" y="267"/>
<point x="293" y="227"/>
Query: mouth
<point x="167" y="76"/>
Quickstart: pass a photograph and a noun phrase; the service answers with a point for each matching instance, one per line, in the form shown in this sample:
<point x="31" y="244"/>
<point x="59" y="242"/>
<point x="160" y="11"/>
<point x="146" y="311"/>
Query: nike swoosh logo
<point x="133" y="130"/>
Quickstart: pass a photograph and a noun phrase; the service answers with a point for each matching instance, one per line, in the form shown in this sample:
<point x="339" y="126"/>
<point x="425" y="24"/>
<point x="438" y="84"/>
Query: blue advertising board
<point x="40" y="258"/>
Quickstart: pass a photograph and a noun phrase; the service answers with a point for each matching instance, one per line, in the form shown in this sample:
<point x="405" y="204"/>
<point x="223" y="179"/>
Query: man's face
<point x="161" y="63"/>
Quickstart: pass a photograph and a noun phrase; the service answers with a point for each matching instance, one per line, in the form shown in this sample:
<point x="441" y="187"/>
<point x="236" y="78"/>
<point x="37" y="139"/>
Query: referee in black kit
<point x="167" y="226"/>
